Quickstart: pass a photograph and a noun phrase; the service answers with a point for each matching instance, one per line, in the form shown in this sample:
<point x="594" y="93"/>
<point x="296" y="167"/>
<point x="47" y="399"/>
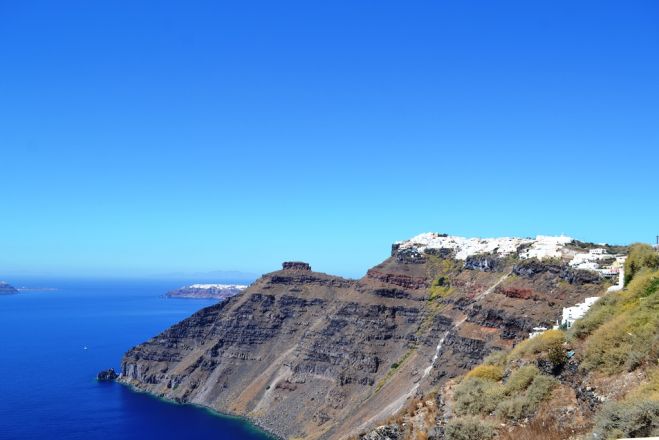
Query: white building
<point x="537" y="331"/>
<point x="571" y="314"/>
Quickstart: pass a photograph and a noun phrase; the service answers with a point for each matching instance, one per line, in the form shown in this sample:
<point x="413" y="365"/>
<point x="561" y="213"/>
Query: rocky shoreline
<point x="246" y="419"/>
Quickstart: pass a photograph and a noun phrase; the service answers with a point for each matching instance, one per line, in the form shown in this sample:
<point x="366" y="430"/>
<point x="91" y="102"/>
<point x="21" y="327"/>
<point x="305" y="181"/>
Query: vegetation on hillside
<point x="641" y="257"/>
<point x="618" y="336"/>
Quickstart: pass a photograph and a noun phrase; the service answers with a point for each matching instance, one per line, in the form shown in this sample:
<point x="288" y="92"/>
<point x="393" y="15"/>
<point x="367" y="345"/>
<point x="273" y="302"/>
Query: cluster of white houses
<point x="599" y="260"/>
<point x="590" y="261"/>
<point x="570" y="314"/>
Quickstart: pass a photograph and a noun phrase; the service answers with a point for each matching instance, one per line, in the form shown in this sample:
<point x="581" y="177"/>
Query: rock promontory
<point x="107" y="375"/>
<point x="316" y="356"/>
<point x="296" y="265"/>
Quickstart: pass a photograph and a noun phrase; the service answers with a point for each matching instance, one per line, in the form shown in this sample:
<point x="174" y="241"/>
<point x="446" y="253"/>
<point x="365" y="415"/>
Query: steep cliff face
<point x="310" y="355"/>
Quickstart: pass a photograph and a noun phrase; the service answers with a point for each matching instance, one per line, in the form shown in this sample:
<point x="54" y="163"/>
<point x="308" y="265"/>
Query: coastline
<point x="251" y="423"/>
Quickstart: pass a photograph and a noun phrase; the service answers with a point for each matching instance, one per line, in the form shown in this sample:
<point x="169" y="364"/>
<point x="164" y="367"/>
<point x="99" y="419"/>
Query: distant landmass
<point x="37" y="289"/>
<point x="231" y="276"/>
<point x="7" y="289"/>
<point x="207" y="291"/>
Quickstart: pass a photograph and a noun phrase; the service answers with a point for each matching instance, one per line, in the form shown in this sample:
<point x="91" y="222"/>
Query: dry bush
<point x="476" y="396"/>
<point x="547" y="341"/>
<point x="489" y="372"/>
<point x="496" y="358"/>
<point x="637" y="418"/>
<point x="469" y="428"/>
<point x="630" y="337"/>
<point x="539" y="428"/>
<point x="521" y="378"/>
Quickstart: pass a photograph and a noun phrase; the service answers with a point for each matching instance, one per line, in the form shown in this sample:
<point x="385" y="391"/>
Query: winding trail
<point x="438" y="349"/>
<point x="399" y="402"/>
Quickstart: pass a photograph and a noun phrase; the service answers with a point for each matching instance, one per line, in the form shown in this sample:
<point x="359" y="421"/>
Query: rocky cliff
<point x="306" y="354"/>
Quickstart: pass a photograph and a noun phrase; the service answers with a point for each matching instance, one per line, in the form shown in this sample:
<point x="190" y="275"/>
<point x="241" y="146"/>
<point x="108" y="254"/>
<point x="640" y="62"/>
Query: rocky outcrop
<point x="484" y="263"/>
<point x="411" y="256"/>
<point x="405" y="281"/>
<point x="387" y="432"/>
<point x="7" y="289"/>
<point x="107" y="375"/>
<point x="533" y="267"/>
<point x="311" y="355"/>
<point x="296" y="265"/>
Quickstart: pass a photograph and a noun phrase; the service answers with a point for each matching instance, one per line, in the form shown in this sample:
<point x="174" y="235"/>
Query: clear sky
<point x="139" y="138"/>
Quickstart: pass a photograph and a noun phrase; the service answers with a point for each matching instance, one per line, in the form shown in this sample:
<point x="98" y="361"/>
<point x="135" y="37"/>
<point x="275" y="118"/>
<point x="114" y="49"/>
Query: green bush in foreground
<point x="520" y="379"/>
<point x="641" y="256"/>
<point x="476" y="395"/>
<point x="629" y="337"/>
<point x="628" y="419"/>
<point x="549" y="341"/>
<point x="517" y="398"/>
<point x="489" y="372"/>
<point x="469" y="428"/>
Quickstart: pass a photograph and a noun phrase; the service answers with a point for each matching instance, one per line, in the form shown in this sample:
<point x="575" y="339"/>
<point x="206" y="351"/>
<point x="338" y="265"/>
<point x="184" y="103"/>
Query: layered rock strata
<point x="310" y="355"/>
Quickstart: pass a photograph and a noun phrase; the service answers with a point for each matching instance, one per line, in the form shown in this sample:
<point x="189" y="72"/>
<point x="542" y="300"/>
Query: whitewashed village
<point x="607" y="265"/>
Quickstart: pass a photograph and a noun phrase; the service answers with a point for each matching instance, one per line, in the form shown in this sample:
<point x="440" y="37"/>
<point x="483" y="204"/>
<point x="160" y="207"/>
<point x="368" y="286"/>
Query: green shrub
<point x="540" y="389"/>
<point x="475" y="395"/>
<point x="641" y="256"/>
<point x="496" y="358"/>
<point x="469" y="428"/>
<point x="628" y="419"/>
<point x="520" y="403"/>
<point x="650" y="388"/>
<point x="520" y="379"/>
<point x="546" y="341"/>
<point x="440" y="288"/>
<point x="489" y="372"/>
<point x="599" y="313"/>
<point x="630" y="336"/>
<point x="514" y="409"/>
<point x="516" y="399"/>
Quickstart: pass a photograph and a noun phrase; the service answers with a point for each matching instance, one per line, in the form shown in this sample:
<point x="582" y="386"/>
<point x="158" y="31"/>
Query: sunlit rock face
<point x="311" y="355"/>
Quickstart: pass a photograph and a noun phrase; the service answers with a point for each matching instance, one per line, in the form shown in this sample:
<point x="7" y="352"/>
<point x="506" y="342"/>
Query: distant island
<point x="7" y="289"/>
<point x="207" y="291"/>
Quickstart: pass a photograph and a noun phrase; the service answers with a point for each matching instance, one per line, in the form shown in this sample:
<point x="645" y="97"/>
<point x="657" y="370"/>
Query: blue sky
<point x="139" y="138"/>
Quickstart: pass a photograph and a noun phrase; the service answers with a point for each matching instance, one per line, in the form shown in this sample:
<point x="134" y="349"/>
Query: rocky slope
<point x="597" y="379"/>
<point x="310" y="355"/>
<point x="7" y="289"/>
<point x="207" y="291"/>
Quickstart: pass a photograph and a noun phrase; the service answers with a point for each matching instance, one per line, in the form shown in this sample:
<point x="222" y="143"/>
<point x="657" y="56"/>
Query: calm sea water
<point x="47" y="379"/>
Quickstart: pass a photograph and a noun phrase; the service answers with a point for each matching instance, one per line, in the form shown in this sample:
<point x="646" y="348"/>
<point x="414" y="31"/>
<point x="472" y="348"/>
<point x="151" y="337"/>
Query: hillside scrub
<point x="629" y="418"/>
<point x="619" y="333"/>
<point x="629" y="336"/>
<point x="641" y="256"/>
<point x="550" y="343"/>
<point x="469" y="428"/>
<point x="491" y="372"/>
<point x="514" y="399"/>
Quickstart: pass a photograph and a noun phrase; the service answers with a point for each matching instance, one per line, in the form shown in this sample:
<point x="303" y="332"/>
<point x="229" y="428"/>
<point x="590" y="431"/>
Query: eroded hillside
<point x="311" y="355"/>
<point x="598" y="379"/>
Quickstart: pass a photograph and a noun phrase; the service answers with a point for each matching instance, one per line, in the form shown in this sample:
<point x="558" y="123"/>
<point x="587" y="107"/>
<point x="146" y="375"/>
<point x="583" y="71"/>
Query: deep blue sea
<point x="48" y="387"/>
